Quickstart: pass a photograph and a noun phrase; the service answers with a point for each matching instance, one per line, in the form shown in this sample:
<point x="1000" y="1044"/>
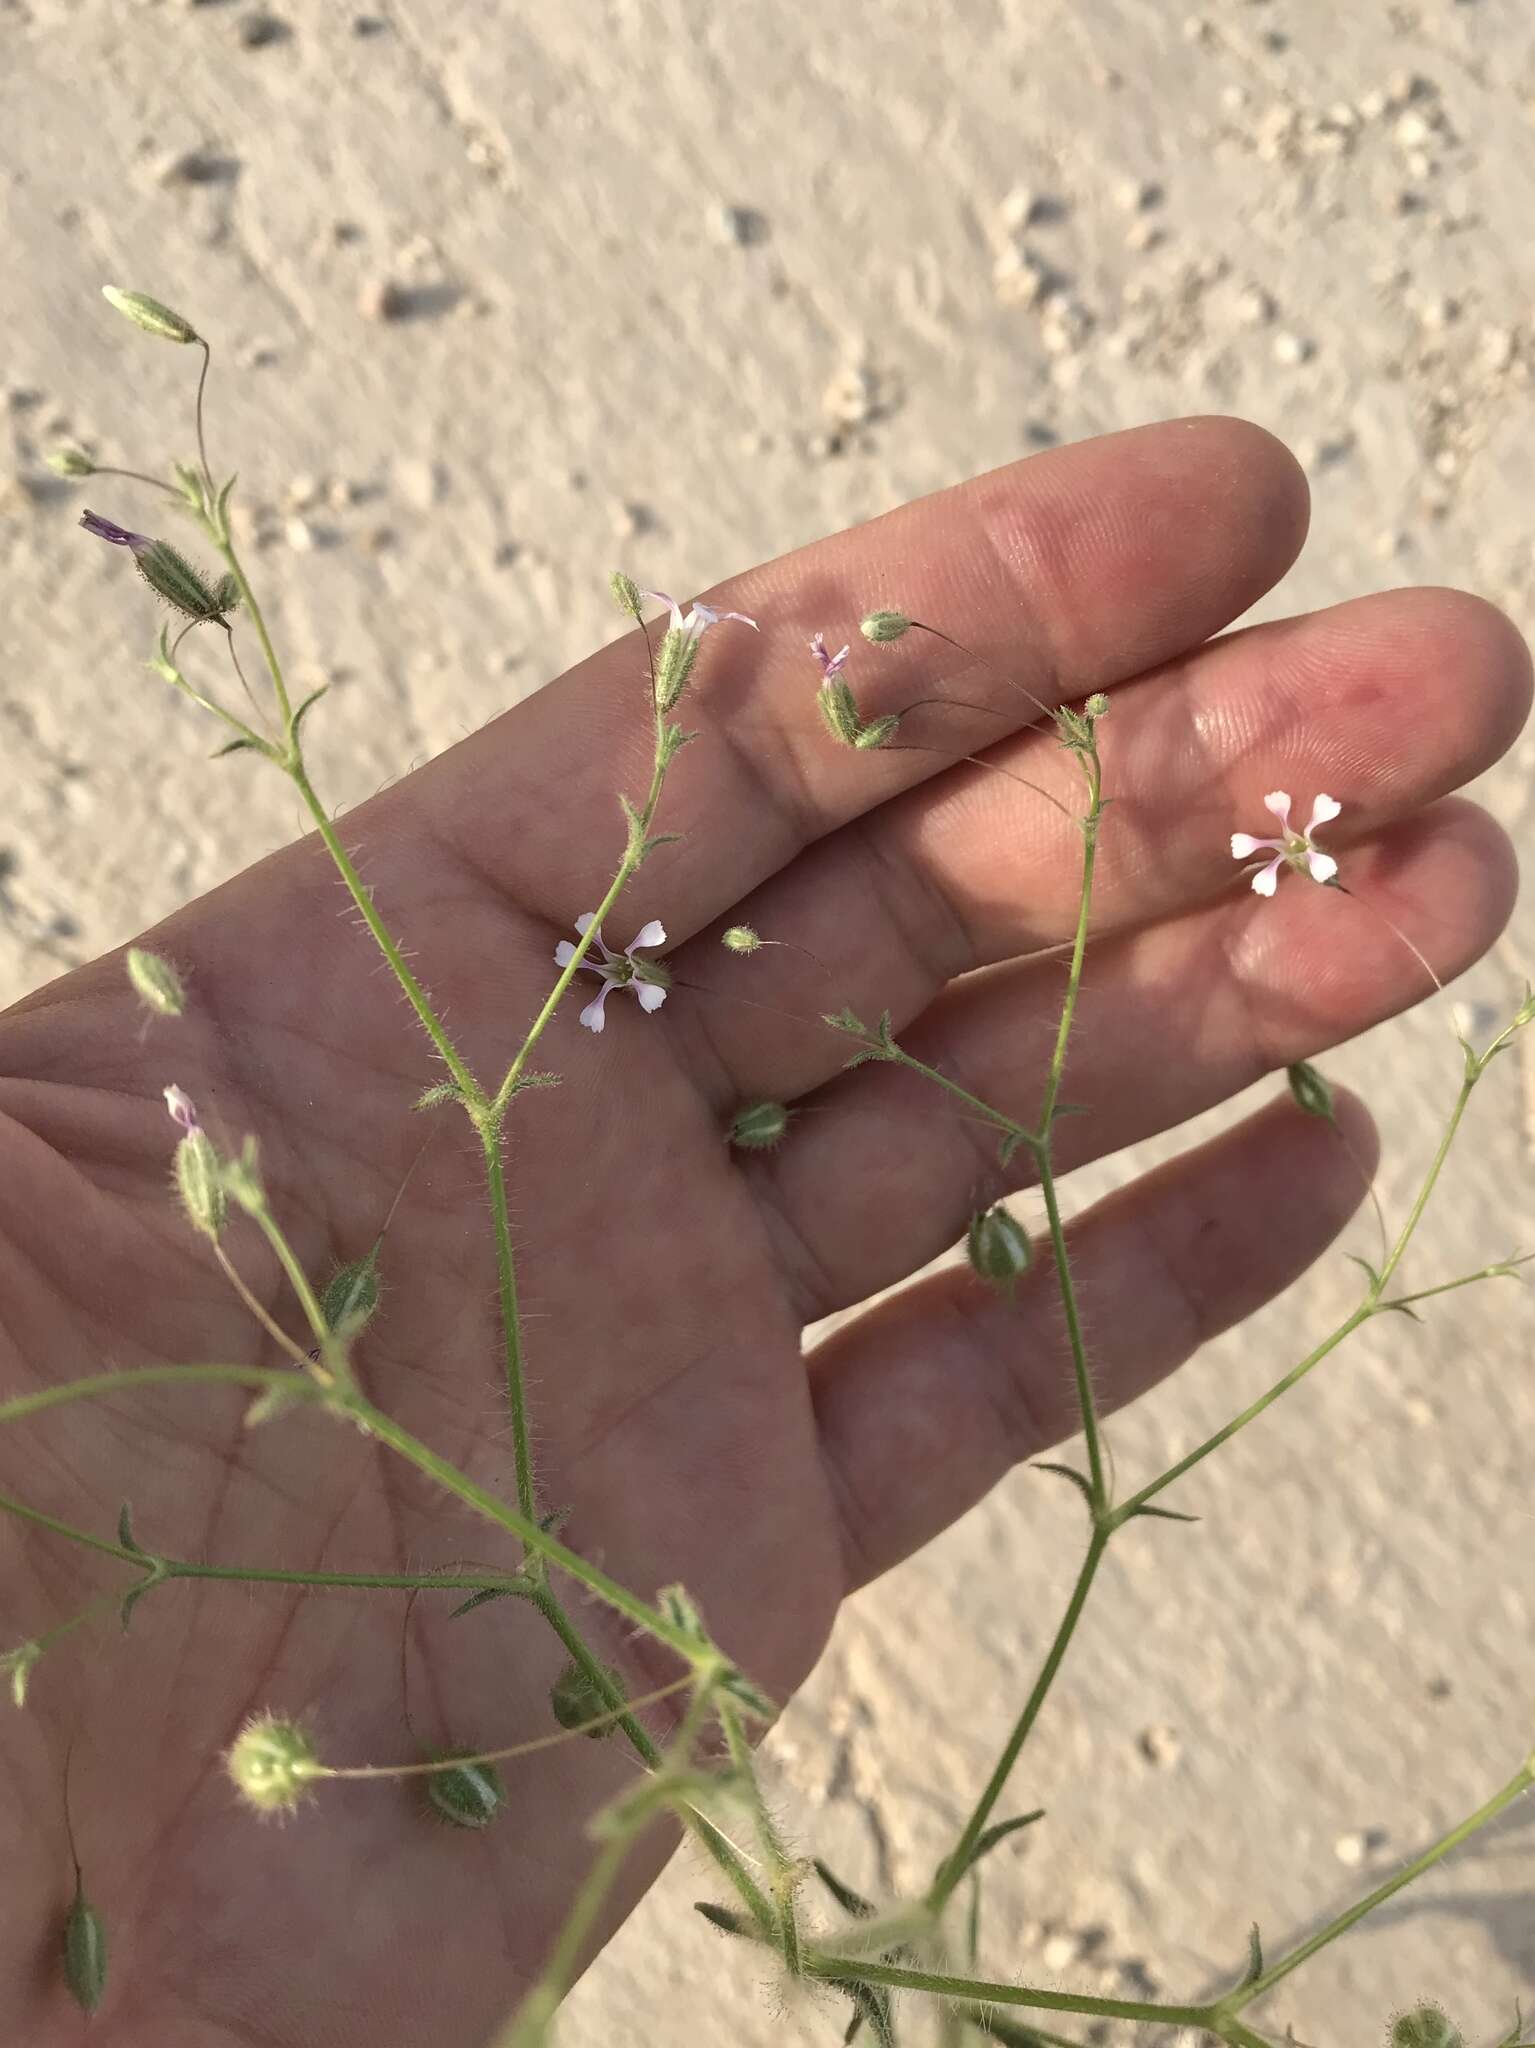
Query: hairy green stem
<point x="1516" y="1787"/>
<point x="511" y="1320"/>
<point x="953" y="1867"/>
<point x="976" y="1991"/>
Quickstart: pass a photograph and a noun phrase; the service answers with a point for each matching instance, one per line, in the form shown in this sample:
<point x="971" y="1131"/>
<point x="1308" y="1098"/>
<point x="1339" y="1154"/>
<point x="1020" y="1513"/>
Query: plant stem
<point x="1043" y="1148"/>
<point x="511" y="1321"/>
<point x="953" y="1867"/>
<point x="1519" y="1784"/>
<point x="976" y="1991"/>
<point x="97" y="1384"/>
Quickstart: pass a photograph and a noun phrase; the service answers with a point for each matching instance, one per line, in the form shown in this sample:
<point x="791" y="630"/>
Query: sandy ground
<point x="518" y="291"/>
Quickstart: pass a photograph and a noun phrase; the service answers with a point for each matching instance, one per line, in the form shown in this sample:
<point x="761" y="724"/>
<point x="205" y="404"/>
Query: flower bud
<point x="879" y="732"/>
<point x="882" y="626"/>
<point x="149" y="314"/>
<point x="85" y="1952"/>
<point x="173" y="577"/>
<point x="759" y="1126"/>
<point x="200" y="1184"/>
<point x="999" y="1248"/>
<point x="740" y="939"/>
<point x="468" y="1796"/>
<point x="70" y="462"/>
<point x="1097" y="705"/>
<point x="1425" y="2027"/>
<point x="156" y="983"/>
<point x="350" y="1301"/>
<point x="1311" y="1092"/>
<point x="576" y="1699"/>
<point x="626" y="593"/>
<point x="273" y="1763"/>
<point x="839" y="711"/>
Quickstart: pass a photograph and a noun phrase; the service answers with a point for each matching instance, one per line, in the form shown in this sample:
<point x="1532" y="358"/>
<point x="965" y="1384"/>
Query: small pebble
<point x="1160" y="1744"/>
<point x="256" y="31"/>
<point x="1138" y="195"/>
<point x="1291" y="349"/>
<point x="1360" y="1846"/>
<point x="382" y="299"/>
<point x="299" y="535"/>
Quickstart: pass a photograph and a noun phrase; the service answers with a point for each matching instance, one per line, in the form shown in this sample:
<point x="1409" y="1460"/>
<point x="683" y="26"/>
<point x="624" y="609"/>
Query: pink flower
<point x="181" y="1107"/>
<point x="699" y="618"/>
<point x="1294" y="849"/>
<point x="648" y="978"/>
<point x="831" y="664"/>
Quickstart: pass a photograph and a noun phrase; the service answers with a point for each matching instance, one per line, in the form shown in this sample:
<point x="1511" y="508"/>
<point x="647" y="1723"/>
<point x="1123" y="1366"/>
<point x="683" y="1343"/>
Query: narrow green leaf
<point x="1163" y="1514"/>
<point x="988" y="1839"/>
<point x="487" y="1593"/>
<point x="1254" y="1955"/>
<point x="125" y="1534"/>
<point x="849" y="1900"/>
<point x="1067" y="1472"/>
<point x="724" y="1919"/>
<point x="237" y="747"/>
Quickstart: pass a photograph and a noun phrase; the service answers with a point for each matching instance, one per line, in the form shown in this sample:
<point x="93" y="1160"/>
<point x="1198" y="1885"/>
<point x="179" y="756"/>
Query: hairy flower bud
<point x="70" y="462"/>
<point x="350" y="1301"/>
<point x="999" y="1248"/>
<point x="85" y="1952"/>
<point x="468" y="1796"/>
<point x="1310" y="1090"/>
<point x="626" y="593"/>
<point x="759" y="1126"/>
<point x="576" y="1699"/>
<point x="156" y="983"/>
<point x="1425" y="2027"/>
<point x="879" y="732"/>
<point x="674" y="664"/>
<point x="273" y="1764"/>
<point x="882" y="626"/>
<point x="149" y="314"/>
<point x="839" y="711"/>
<point x="741" y="939"/>
<point x="1097" y="705"/>
<point x="200" y="1183"/>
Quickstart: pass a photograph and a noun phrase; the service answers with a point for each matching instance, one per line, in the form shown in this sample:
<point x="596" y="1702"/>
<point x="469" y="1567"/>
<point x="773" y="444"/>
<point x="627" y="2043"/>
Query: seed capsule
<point x="577" y="1699"/>
<point x="468" y="1796"/>
<point x="759" y="1126"/>
<point x="882" y="626"/>
<point x="999" y="1248"/>
<point x="273" y="1764"/>
<point x="149" y="314"/>
<point x="85" y="1952"/>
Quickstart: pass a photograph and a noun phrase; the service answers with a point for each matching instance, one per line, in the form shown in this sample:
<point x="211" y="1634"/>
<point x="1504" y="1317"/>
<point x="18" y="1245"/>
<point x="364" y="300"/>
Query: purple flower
<point x="120" y="537"/>
<point x="1294" y="849"/>
<point x="648" y="979"/>
<point x="831" y="664"/>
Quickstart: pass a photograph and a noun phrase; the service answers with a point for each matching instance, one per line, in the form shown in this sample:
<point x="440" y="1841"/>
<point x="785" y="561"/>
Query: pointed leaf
<point x="487" y="1593"/>
<point x="871" y="2002"/>
<point x="1067" y="1472"/>
<point x="439" y="1092"/>
<point x="849" y="1900"/>
<point x="723" y="1918"/>
<point x="988" y="1838"/>
<point x="237" y="747"/>
<point x="1254" y="1956"/>
<point x="1164" y="1514"/>
<point x="1369" y="1270"/>
<point x="312" y="699"/>
<point x="125" y="1536"/>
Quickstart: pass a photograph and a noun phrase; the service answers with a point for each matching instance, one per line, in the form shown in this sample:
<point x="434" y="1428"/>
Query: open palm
<point x="666" y="1277"/>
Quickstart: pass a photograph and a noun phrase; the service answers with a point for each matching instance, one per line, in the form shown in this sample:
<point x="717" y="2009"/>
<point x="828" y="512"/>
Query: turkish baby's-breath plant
<point x="703" y="1774"/>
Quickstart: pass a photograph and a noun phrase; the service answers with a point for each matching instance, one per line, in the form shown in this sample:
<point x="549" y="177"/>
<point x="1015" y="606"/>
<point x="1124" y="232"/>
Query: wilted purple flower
<point x="831" y="664"/>
<point x="181" y="1107"/>
<point x="1295" y="848"/>
<point x="648" y="979"/>
<point x="108" y="529"/>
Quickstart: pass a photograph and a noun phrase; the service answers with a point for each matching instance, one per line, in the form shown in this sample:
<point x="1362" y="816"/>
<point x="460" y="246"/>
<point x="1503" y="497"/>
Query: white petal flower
<point x="181" y="1107"/>
<point x="697" y="621"/>
<point x="1292" y="849"/>
<point x="648" y="979"/>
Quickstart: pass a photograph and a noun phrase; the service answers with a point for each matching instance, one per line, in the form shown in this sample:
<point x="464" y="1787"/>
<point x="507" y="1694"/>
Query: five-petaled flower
<point x="1294" y="849"/>
<point x="182" y="1108"/>
<point x="698" y="619"/>
<point x="648" y="978"/>
<point x="831" y="664"/>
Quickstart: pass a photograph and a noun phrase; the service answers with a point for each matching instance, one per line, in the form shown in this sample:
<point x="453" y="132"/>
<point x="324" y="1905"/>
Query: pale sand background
<point x="1316" y="215"/>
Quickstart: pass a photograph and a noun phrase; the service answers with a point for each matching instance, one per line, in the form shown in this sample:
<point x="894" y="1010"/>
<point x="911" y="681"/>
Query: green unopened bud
<point x="156" y="983"/>
<point x="149" y="314"/>
<point x="999" y="1248"/>
<point x="674" y="664"/>
<point x="17" y="1665"/>
<point x="85" y="1952"/>
<point x="879" y="732"/>
<point x="839" y="711"/>
<point x="200" y="1184"/>
<point x="576" y="1699"/>
<point x="741" y="939"/>
<point x="759" y="1126"/>
<point x="1425" y="2027"/>
<point x="350" y="1301"/>
<point x="1097" y="705"/>
<point x="70" y="462"/>
<point x="626" y="593"/>
<point x="273" y="1764"/>
<point x="1311" y="1092"/>
<point x="468" y="1796"/>
<point x="882" y="626"/>
<point x="242" y="1179"/>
